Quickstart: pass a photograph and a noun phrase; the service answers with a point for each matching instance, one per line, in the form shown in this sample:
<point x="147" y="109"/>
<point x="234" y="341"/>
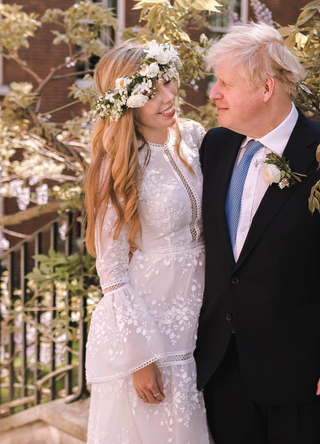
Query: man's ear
<point x="268" y="88"/>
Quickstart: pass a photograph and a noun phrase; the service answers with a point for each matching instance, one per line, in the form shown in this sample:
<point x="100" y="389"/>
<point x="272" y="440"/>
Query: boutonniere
<point x="276" y="170"/>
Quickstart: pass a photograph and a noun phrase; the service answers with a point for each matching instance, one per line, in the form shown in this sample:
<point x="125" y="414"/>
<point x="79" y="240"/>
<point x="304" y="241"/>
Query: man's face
<point x="239" y="106"/>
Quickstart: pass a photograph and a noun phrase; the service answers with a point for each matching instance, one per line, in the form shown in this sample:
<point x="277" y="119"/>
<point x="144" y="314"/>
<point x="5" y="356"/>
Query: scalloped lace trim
<point x="114" y="287"/>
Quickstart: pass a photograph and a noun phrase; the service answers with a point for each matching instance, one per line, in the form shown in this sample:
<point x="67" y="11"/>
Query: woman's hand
<point x="148" y="384"/>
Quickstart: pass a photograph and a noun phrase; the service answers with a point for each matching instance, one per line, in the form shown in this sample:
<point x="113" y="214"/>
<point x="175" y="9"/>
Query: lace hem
<point x="111" y="288"/>
<point x="175" y="359"/>
<point x="168" y="359"/>
<point x="123" y="375"/>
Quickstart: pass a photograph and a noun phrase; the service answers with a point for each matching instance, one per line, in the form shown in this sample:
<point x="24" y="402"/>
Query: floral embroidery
<point x="149" y="312"/>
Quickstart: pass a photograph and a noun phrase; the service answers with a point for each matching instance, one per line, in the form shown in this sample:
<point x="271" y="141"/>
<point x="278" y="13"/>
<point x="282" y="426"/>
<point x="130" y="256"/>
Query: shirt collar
<point x="278" y="138"/>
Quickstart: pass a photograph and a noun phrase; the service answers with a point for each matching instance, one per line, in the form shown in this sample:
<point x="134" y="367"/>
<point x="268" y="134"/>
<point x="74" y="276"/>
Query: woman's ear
<point x="268" y="88"/>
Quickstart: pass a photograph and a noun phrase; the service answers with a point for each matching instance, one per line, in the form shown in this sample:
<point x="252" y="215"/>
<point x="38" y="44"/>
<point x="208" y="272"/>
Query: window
<point x="108" y="36"/>
<point x="234" y="10"/>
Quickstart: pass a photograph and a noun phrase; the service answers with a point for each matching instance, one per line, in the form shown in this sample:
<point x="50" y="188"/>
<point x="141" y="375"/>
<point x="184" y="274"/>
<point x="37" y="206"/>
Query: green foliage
<point x="206" y="115"/>
<point x="164" y="22"/>
<point x="47" y="149"/>
<point x="16" y="27"/>
<point x="56" y="268"/>
<point x="303" y="40"/>
<point x="81" y="25"/>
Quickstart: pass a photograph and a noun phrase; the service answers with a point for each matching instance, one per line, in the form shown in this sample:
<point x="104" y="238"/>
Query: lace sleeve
<point x="123" y="335"/>
<point x="192" y="133"/>
<point x="112" y="254"/>
<point x="198" y="133"/>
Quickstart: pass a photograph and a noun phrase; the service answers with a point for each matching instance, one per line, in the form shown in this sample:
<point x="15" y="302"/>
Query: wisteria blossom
<point x="42" y="194"/>
<point x="261" y="12"/>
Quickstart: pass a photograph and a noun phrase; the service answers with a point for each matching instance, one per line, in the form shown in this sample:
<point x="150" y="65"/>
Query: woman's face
<point x="158" y="113"/>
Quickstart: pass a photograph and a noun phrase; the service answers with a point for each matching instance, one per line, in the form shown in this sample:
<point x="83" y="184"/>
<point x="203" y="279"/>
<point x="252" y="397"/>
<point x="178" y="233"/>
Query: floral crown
<point x="160" y="62"/>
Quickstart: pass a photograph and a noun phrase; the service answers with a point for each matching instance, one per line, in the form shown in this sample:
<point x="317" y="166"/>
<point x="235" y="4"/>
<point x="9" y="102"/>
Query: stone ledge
<point x="69" y="418"/>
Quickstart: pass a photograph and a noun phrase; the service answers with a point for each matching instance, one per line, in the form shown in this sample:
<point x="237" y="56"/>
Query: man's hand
<point x="318" y="388"/>
<point x="148" y="384"/>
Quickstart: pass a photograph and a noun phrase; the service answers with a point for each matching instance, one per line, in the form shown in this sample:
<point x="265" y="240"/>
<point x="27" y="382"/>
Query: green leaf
<point x="313" y="5"/>
<point x="206" y="5"/>
<point x="318" y="154"/>
<point x="290" y="41"/>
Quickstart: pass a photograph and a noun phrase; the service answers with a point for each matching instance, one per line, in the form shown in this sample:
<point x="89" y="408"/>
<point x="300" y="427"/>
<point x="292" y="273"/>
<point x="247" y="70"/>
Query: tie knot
<point x="252" y="147"/>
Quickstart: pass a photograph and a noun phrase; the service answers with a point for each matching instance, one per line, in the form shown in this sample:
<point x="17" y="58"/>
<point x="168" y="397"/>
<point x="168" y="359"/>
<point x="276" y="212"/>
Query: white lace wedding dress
<point x="149" y="312"/>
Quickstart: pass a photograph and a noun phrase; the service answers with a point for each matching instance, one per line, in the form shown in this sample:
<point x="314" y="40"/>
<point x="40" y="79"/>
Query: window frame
<point x="244" y="14"/>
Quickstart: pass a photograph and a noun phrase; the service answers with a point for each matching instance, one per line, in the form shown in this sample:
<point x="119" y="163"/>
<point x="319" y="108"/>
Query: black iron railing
<point x="35" y="364"/>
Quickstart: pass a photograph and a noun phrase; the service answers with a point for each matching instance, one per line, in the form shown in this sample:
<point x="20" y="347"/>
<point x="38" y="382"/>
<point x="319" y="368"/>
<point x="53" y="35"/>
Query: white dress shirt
<point x="255" y="185"/>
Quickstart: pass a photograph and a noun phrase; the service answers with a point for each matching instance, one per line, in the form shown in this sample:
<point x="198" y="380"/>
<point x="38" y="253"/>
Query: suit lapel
<point x="220" y="184"/>
<point x="300" y="151"/>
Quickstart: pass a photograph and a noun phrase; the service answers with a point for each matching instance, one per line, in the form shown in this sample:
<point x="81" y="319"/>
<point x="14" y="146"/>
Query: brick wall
<point x="42" y="55"/>
<point x="285" y="12"/>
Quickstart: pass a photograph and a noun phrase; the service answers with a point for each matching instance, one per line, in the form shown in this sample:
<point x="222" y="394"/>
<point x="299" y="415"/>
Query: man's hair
<point x="259" y="51"/>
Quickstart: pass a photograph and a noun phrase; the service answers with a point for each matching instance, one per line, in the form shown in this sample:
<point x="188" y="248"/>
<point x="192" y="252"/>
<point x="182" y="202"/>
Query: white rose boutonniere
<point x="276" y="170"/>
<point x="271" y="173"/>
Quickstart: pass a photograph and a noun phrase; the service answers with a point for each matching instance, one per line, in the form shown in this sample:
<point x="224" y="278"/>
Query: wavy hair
<point x="117" y="143"/>
<point x="259" y="51"/>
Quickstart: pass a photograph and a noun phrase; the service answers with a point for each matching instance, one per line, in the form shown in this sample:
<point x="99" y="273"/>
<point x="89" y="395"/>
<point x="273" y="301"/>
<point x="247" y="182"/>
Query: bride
<point x="143" y="193"/>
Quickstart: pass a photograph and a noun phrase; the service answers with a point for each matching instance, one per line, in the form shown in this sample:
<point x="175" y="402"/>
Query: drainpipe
<point x="121" y="15"/>
<point x="244" y="11"/>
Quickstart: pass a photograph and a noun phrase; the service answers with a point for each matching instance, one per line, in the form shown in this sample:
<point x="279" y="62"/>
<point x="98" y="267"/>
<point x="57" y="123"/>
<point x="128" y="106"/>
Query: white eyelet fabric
<point x="150" y="308"/>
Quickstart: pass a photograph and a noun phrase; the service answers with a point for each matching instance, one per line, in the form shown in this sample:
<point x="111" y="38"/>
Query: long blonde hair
<point x="117" y="141"/>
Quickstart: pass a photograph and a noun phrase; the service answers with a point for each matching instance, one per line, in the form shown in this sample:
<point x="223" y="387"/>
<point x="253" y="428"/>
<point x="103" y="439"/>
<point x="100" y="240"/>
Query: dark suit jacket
<point x="271" y="296"/>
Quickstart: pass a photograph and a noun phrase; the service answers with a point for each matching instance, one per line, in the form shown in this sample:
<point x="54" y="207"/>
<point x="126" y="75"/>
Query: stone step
<point x="52" y="423"/>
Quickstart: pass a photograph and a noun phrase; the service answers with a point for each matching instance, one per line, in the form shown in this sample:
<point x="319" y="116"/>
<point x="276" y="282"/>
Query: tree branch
<point x="26" y="67"/>
<point x="61" y="107"/>
<point x="71" y="74"/>
<point x="30" y="213"/>
<point x="57" y="372"/>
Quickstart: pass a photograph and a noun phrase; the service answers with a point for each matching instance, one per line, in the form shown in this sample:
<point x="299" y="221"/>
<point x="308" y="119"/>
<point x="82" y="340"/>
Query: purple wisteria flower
<point x="261" y="12"/>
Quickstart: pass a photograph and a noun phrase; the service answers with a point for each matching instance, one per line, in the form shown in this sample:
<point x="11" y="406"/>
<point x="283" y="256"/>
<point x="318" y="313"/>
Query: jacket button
<point x="228" y="317"/>
<point x="235" y="280"/>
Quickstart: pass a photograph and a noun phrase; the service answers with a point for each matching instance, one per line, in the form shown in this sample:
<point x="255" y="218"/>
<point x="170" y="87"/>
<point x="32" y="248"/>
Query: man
<point x="258" y="349"/>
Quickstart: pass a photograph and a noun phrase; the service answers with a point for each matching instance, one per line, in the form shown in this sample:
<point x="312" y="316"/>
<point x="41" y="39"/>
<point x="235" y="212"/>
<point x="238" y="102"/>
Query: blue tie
<point x="234" y="196"/>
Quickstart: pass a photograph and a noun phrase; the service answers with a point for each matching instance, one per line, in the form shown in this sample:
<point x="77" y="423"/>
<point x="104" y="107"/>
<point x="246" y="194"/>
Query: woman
<point x="143" y="193"/>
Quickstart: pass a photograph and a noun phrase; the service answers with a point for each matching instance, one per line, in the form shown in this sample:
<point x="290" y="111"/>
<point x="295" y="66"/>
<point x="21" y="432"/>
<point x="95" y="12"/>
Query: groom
<point x="258" y="348"/>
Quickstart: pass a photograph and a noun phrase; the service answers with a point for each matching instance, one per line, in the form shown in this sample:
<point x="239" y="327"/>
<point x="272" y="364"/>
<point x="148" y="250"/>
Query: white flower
<point x="153" y="49"/>
<point x="171" y="73"/>
<point x="23" y="198"/>
<point x="122" y="82"/>
<point x="4" y="243"/>
<point x="163" y="57"/>
<point x="284" y="183"/>
<point x="16" y="186"/>
<point x="144" y="70"/>
<point x="33" y="180"/>
<point x="137" y="101"/>
<point x="42" y="194"/>
<point x="153" y="70"/>
<point x="63" y="230"/>
<point x="271" y="173"/>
